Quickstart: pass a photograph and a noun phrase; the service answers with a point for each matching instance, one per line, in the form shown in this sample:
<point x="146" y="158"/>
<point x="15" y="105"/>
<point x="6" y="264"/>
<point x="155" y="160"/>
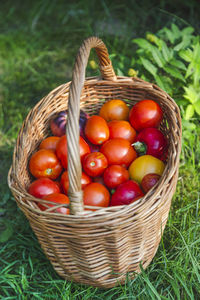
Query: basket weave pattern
<point x="96" y="248"/>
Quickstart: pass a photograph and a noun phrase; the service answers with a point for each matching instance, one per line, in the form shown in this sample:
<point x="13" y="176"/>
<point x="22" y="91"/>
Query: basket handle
<point x="72" y="129"/>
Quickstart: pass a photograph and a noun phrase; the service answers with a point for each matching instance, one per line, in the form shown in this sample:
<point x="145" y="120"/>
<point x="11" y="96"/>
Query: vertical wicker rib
<point x="97" y="248"/>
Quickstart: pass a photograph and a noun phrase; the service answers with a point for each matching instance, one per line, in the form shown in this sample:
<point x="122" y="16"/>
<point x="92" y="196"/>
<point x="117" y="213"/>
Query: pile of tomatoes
<point x="122" y="153"/>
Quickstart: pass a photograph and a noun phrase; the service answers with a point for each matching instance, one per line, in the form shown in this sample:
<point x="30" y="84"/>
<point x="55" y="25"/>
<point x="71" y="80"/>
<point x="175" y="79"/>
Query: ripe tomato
<point x="49" y="143"/>
<point x="144" y="165"/>
<point x="85" y="180"/>
<point x="122" y="129"/>
<point x="145" y="113"/>
<point x="149" y="181"/>
<point x="56" y="198"/>
<point x="114" y="110"/>
<point x="118" y="152"/>
<point x="61" y="149"/>
<point x="44" y="163"/>
<point x="42" y="187"/>
<point x="126" y="193"/>
<point x="115" y="175"/>
<point x="96" y="194"/>
<point x="94" y="163"/>
<point x="96" y="130"/>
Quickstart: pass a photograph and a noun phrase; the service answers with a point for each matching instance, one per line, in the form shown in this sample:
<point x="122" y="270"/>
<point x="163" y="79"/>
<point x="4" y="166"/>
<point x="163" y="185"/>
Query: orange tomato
<point x="96" y="194"/>
<point x="49" y="143"/>
<point x="44" y="163"/>
<point x="121" y="129"/>
<point x="96" y="130"/>
<point x="114" y="110"/>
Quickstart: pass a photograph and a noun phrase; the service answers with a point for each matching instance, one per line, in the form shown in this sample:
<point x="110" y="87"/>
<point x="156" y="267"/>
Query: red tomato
<point x="61" y="149"/>
<point x="49" y="143"/>
<point x="96" y="194"/>
<point x="145" y="113"/>
<point x="118" y="152"/>
<point x="96" y="130"/>
<point x="42" y="187"/>
<point x="56" y="198"/>
<point x="114" y="110"/>
<point x="122" y="129"/>
<point x="44" y="163"/>
<point x="85" y="180"/>
<point x="98" y="179"/>
<point x="94" y="163"/>
<point x="126" y="193"/>
<point x="115" y="175"/>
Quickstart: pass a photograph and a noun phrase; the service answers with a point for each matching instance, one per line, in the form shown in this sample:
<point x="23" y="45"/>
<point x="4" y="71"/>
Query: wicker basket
<point x="96" y="248"/>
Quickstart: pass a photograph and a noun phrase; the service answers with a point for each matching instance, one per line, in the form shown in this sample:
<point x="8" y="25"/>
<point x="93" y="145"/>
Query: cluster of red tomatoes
<point x="122" y="153"/>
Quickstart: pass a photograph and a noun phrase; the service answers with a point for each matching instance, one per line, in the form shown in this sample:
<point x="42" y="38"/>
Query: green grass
<point x="38" y="44"/>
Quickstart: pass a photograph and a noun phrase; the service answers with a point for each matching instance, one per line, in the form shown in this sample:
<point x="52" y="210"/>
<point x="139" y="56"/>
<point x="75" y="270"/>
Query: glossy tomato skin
<point x="96" y="194"/>
<point x="56" y="198"/>
<point x="144" y="165"/>
<point x="61" y="150"/>
<point x="144" y="114"/>
<point x="153" y="141"/>
<point x="114" y="175"/>
<point x="44" y="163"/>
<point x="94" y="164"/>
<point x="114" y="110"/>
<point x="85" y="180"/>
<point x="42" y="187"/>
<point x="96" y="130"/>
<point x="121" y="129"/>
<point x="126" y="193"/>
<point x="149" y="181"/>
<point x="49" y="143"/>
<point x="118" y="152"/>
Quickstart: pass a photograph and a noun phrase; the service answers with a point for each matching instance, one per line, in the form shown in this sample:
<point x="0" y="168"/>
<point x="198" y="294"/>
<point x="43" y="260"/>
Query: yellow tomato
<point x="144" y="165"/>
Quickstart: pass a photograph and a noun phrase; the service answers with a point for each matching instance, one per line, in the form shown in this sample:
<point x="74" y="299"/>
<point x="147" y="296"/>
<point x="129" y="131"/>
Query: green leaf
<point x="187" y="30"/>
<point x="144" y="44"/>
<point x="6" y="232"/>
<point x="191" y="94"/>
<point x="197" y="107"/>
<point x="176" y="31"/>
<point x="148" y="66"/>
<point x="174" y="73"/>
<point x="119" y="72"/>
<point x="170" y="35"/>
<point x="178" y="64"/>
<point x="188" y="125"/>
<point x="184" y="43"/>
<point x="158" y="57"/>
<point x="167" y="53"/>
<point x="187" y="55"/>
<point x="162" y="83"/>
<point x="189" y="112"/>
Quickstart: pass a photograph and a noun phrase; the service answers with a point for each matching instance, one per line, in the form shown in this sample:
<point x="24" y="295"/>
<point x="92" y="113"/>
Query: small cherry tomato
<point x="49" y="143"/>
<point x="61" y="150"/>
<point x="118" y="152"/>
<point x="144" y="165"/>
<point x="44" y="163"/>
<point x="85" y="180"/>
<point x="94" y="164"/>
<point x="114" y="110"/>
<point x="96" y="194"/>
<point x="126" y="193"/>
<point x="145" y="113"/>
<point x="150" y="141"/>
<point x="56" y="198"/>
<point x="149" y="181"/>
<point x="114" y="175"/>
<point x="42" y="187"/>
<point x="122" y="129"/>
<point x="96" y="130"/>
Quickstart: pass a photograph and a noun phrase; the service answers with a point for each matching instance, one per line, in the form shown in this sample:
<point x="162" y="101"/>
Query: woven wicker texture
<point x="96" y="248"/>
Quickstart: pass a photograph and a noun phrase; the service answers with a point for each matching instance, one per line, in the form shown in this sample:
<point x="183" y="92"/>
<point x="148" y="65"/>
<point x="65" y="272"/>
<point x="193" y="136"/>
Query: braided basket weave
<point x="96" y="248"/>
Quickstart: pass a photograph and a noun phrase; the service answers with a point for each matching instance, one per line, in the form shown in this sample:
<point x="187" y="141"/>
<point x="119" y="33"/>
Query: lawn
<point x="38" y="44"/>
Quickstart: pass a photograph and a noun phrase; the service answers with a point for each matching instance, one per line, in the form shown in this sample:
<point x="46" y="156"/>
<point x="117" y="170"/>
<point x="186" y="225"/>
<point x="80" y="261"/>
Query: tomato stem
<point x="140" y="148"/>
